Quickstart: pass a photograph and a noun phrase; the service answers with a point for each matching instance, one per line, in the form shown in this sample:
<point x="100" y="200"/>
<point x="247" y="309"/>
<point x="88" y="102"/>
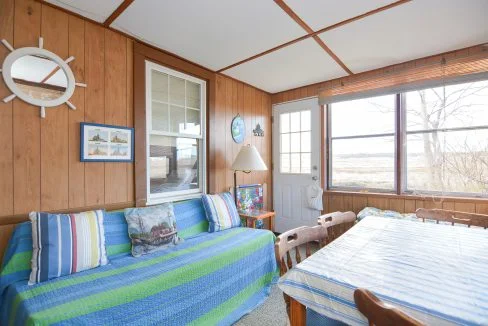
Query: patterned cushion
<point x="64" y="244"/>
<point x="221" y="212"/>
<point x="151" y="228"/>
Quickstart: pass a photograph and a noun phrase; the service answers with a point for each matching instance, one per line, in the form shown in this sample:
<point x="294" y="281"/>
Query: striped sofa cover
<point x="210" y="278"/>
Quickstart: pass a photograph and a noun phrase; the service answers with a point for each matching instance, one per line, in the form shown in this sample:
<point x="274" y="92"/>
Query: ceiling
<point x="283" y="44"/>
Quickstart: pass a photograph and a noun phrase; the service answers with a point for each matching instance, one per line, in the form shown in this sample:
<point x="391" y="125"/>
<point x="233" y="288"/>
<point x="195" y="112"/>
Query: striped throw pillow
<point x="221" y="212"/>
<point x="64" y="244"/>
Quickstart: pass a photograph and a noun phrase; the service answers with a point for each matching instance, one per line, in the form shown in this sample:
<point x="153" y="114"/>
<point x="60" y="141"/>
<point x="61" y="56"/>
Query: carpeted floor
<point x="271" y="313"/>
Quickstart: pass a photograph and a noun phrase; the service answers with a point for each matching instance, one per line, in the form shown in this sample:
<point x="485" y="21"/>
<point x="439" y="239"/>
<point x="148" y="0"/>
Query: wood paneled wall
<point x="40" y="166"/>
<point x="232" y="98"/>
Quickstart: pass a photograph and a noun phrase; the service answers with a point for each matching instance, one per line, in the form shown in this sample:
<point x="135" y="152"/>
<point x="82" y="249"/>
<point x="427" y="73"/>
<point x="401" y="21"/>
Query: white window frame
<point x="152" y="199"/>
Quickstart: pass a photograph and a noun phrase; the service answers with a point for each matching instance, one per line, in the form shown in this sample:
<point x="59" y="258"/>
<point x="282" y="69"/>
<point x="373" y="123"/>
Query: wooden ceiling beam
<point x="309" y="30"/>
<point x="316" y="33"/>
<point x="120" y="9"/>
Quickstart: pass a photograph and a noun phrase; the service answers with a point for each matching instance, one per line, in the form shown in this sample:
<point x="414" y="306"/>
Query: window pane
<point x="285" y="143"/>
<point x="285" y="122"/>
<point x="305" y="120"/>
<point x="448" y="162"/>
<point x="305" y="163"/>
<point x="192" y="95"/>
<point x="453" y="106"/>
<point x="306" y="142"/>
<point x="159" y="86"/>
<point x="295" y="121"/>
<point x="177" y="119"/>
<point x="295" y="142"/>
<point x="192" y="122"/>
<point x="285" y="163"/>
<point x="364" y="163"/>
<point x="173" y="164"/>
<point x="295" y="163"/>
<point x="176" y="90"/>
<point x="159" y="116"/>
<point x="369" y="116"/>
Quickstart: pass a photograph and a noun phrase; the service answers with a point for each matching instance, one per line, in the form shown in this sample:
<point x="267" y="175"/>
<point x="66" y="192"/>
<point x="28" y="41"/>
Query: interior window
<point x="175" y="134"/>
<point x="447" y="139"/>
<point x="295" y="142"/>
<point x="362" y="143"/>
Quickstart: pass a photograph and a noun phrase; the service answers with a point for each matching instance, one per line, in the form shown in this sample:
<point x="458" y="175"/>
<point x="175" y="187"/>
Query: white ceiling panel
<point x="215" y="33"/>
<point x="413" y="30"/>
<point x="300" y="64"/>
<point x="319" y="13"/>
<point x="94" y="9"/>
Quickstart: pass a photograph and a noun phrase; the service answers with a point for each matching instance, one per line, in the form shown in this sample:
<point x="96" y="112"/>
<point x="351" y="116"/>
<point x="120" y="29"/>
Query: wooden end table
<point x="252" y="216"/>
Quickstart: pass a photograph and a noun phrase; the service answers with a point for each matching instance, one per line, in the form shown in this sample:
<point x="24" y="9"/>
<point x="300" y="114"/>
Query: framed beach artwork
<point x="106" y="143"/>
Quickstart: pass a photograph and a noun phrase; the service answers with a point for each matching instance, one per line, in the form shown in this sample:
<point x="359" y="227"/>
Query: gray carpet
<point x="271" y="313"/>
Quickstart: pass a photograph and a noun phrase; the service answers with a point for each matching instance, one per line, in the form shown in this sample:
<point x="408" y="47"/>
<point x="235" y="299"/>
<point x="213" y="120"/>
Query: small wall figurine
<point x="258" y="131"/>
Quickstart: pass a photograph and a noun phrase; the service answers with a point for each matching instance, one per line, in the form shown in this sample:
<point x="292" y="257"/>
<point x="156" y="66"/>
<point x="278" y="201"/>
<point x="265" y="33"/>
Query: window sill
<point x="169" y="199"/>
<point x="405" y="196"/>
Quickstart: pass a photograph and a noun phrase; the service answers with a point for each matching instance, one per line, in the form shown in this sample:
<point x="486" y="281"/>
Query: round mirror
<point x="39" y="77"/>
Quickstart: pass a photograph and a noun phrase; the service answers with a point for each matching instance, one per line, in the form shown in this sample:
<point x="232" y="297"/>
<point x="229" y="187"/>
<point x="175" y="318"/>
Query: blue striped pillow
<point x="64" y="244"/>
<point x="221" y="212"/>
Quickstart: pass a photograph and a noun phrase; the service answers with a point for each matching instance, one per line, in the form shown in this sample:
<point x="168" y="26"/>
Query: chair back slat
<point x="453" y="217"/>
<point x="307" y="249"/>
<point x="379" y="313"/>
<point x="298" y="258"/>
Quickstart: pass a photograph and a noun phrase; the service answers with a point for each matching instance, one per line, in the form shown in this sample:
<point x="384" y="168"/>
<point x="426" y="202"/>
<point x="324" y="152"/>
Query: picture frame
<point x="250" y="197"/>
<point x="106" y="143"/>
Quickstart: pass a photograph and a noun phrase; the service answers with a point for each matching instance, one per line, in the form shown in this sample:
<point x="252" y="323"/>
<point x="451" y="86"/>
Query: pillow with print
<point x="221" y="212"/>
<point x="151" y="228"/>
<point x="64" y="244"/>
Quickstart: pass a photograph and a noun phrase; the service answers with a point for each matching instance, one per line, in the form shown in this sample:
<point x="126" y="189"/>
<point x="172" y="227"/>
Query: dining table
<point x="436" y="273"/>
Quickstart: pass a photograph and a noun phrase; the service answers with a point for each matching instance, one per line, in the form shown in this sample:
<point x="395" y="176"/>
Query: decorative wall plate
<point x="238" y="129"/>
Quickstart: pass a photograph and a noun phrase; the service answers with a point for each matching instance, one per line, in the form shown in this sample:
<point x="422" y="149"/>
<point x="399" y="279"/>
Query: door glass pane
<point x="177" y="119"/>
<point x="173" y="164"/>
<point x="159" y="86"/>
<point x="285" y="143"/>
<point x="285" y="163"/>
<point x="306" y="121"/>
<point x="295" y="142"/>
<point x="305" y="163"/>
<point x="176" y="91"/>
<point x="192" y="122"/>
<point x="364" y="163"/>
<point x="285" y="122"/>
<point x="295" y="163"/>
<point x="295" y="121"/>
<point x="368" y="116"/>
<point x="192" y="95"/>
<point x="160" y="116"/>
<point x="306" y="142"/>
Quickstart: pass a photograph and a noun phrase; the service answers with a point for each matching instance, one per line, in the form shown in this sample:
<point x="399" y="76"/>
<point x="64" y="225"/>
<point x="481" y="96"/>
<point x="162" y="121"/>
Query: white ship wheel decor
<point x="38" y="77"/>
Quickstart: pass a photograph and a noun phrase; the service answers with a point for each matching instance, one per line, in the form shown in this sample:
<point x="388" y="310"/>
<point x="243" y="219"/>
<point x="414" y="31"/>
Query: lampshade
<point x="248" y="159"/>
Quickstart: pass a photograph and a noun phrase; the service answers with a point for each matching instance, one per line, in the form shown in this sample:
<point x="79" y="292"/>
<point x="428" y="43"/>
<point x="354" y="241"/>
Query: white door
<point x="296" y="162"/>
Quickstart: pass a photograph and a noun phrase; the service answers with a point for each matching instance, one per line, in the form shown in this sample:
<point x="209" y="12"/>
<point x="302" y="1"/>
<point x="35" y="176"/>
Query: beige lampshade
<point x="248" y="159"/>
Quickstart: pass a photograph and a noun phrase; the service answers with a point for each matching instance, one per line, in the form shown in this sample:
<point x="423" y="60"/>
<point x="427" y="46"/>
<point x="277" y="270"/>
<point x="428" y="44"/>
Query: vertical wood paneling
<point x="76" y="168"/>
<point x="410" y="206"/>
<point x="54" y="128"/>
<point x="26" y="121"/>
<point x="218" y="132"/>
<point x="465" y="207"/>
<point x="115" y="79"/>
<point x="229" y="157"/>
<point x="397" y="205"/>
<point x="358" y="203"/>
<point x="6" y="116"/>
<point x="130" y="113"/>
<point x="94" y="107"/>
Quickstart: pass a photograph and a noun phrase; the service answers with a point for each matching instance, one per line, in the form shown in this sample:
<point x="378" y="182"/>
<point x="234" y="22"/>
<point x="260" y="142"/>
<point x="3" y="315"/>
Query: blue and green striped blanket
<point x="209" y="279"/>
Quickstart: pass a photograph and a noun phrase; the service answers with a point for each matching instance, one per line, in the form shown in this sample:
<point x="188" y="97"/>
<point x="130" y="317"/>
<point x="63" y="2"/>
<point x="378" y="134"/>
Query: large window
<point x="362" y="147"/>
<point x="442" y="135"/>
<point x="175" y="110"/>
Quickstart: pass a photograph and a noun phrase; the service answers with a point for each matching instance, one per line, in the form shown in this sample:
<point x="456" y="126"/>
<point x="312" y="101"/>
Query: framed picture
<point x="106" y="143"/>
<point x="250" y="197"/>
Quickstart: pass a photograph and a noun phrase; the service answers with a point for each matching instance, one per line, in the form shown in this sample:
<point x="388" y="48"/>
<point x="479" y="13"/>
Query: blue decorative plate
<point x="238" y="129"/>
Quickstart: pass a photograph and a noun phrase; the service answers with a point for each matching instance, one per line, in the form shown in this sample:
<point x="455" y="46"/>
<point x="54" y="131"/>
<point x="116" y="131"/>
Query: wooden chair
<point x="329" y="228"/>
<point x="380" y="314"/>
<point x="453" y="217"/>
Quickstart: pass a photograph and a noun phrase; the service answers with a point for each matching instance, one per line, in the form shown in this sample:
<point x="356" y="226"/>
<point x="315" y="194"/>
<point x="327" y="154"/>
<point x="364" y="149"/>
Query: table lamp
<point x="247" y="160"/>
